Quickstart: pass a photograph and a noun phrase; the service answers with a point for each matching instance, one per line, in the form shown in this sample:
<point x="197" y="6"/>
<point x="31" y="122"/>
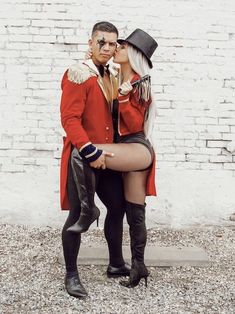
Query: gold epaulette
<point x="79" y="73"/>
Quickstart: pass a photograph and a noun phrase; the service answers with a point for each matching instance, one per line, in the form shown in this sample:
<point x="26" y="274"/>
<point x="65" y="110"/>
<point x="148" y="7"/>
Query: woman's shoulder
<point x="136" y="77"/>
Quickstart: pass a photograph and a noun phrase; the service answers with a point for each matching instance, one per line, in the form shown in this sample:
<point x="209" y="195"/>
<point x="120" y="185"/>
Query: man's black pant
<point x="109" y="188"/>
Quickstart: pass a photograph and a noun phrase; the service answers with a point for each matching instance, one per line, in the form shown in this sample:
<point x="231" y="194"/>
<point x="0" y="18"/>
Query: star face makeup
<point x="102" y="42"/>
<point x="103" y="46"/>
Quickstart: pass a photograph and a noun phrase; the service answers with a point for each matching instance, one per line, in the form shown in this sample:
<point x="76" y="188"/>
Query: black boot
<point x="122" y="271"/>
<point x="84" y="178"/>
<point x="135" y="214"/>
<point x="74" y="286"/>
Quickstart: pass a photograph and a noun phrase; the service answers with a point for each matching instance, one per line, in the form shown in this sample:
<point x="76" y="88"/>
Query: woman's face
<point x="121" y="55"/>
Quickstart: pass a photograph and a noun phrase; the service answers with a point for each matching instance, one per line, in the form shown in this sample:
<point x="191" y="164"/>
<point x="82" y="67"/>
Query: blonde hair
<point x="140" y="65"/>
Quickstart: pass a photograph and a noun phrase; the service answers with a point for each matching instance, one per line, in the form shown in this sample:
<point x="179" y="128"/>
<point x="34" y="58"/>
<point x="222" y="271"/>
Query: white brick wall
<point x="193" y="82"/>
<point x="193" y="78"/>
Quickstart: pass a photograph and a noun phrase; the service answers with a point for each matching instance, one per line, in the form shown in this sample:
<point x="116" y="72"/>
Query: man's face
<point x="103" y="46"/>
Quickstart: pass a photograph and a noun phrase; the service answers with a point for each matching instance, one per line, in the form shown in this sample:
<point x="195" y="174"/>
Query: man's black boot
<point x="84" y="178"/>
<point x="114" y="272"/>
<point x="74" y="286"/>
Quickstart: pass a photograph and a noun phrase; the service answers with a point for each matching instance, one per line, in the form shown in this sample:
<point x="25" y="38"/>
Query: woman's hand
<point x="125" y="88"/>
<point x="88" y="54"/>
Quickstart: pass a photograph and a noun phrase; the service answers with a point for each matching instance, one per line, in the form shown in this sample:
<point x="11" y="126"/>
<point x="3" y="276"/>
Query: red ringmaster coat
<point x="86" y="117"/>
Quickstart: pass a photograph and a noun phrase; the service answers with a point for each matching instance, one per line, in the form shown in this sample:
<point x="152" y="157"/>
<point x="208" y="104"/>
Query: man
<point x="88" y="90"/>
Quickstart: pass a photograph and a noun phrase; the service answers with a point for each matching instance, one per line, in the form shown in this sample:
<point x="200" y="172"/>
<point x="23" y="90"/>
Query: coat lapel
<point x="113" y="74"/>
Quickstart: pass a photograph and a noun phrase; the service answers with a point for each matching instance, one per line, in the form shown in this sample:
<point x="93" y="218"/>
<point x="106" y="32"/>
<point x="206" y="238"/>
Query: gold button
<point x="106" y="138"/>
<point x="107" y="128"/>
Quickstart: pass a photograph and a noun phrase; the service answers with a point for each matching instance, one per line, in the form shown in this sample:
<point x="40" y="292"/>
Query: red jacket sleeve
<point x="72" y="107"/>
<point x="132" y="111"/>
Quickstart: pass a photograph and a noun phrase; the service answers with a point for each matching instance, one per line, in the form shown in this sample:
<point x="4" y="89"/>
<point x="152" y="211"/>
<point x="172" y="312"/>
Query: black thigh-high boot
<point x="71" y="242"/>
<point x="84" y="178"/>
<point x="135" y="214"/>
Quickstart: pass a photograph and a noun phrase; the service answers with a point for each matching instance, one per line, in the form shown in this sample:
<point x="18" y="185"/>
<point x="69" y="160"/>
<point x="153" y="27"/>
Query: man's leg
<point x="110" y="192"/>
<point x="71" y="241"/>
<point x="85" y="181"/>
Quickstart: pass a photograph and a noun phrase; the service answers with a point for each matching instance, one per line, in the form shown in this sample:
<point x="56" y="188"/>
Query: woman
<point x="133" y="114"/>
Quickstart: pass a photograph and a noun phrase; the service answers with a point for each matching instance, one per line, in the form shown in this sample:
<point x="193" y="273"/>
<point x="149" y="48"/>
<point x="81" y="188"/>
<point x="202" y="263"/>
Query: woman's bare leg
<point x="127" y="156"/>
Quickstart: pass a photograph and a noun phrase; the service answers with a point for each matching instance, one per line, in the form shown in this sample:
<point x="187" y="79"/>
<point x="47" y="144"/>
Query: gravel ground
<point x="32" y="277"/>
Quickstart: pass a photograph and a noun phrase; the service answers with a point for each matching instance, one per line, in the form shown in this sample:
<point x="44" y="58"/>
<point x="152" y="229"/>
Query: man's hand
<point x="100" y="162"/>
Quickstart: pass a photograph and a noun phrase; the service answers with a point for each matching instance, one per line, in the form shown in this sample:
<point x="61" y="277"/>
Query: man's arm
<point x="72" y="107"/>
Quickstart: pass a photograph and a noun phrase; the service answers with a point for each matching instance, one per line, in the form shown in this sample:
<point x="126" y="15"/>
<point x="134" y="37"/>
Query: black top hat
<point x="143" y="42"/>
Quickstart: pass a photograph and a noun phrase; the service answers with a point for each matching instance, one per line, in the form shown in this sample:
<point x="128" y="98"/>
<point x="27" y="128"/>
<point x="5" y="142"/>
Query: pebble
<point x="32" y="278"/>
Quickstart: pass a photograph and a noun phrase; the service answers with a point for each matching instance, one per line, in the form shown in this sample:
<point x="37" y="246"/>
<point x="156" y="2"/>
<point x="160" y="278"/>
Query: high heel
<point x="84" y="222"/>
<point x="133" y="284"/>
<point x="135" y="214"/>
<point x="138" y="271"/>
<point x="146" y="281"/>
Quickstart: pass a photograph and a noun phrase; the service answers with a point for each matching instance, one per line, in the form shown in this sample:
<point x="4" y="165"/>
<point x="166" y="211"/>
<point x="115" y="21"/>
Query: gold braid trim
<point x="79" y="73"/>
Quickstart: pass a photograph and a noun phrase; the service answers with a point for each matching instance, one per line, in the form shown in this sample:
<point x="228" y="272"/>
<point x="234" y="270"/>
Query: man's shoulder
<point x="79" y="73"/>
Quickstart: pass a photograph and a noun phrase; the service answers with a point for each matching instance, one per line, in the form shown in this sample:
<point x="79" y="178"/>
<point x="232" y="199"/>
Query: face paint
<point x="101" y="42"/>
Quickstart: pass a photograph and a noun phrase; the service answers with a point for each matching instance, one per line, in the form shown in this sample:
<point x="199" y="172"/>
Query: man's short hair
<point x="104" y="27"/>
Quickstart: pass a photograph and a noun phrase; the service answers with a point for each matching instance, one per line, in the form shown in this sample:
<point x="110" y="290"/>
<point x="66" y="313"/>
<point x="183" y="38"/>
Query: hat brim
<point x="121" y="41"/>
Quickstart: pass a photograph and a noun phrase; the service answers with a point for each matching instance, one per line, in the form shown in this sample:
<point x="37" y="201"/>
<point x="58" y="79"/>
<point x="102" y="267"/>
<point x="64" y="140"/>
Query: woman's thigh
<point x="127" y="156"/>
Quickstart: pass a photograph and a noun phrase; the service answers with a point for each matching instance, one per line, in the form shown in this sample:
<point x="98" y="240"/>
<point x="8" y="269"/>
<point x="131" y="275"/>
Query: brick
<point x="186" y="150"/>
<point x="28" y="146"/>
<point x="210" y="151"/>
<point x="18" y="22"/>
<point x="44" y="39"/>
<point x="221" y="158"/>
<point x="12" y="168"/>
<point x="40" y="154"/>
<point x="29" y="138"/>
<point x="188" y="165"/>
<point x="41" y="138"/>
<point x="217" y="36"/>
<point x="174" y="157"/>
<point x="5" y="145"/>
<point x="39" y="69"/>
<point x="218" y="128"/>
<point x="227" y="121"/>
<point x="199" y="158"/>
<point x="206" y="121"/>
<point x="166" y="150"/>
<point x="211" y="166"/>
<point x="229" y="83"/>
<point x="46" y="162"/>
<point x="227" y="136"/>
<point x="166" y="127"/>
<point x="20" y="38"/>
<point x="43" y="23"/>
<point x="166" y="135"/>
<point x="229" y="166"/>
<point x="216" y="143"/>
<point x="25" y="161"/>
<point x="233" y="129"/>
<point x="17" y="46"/>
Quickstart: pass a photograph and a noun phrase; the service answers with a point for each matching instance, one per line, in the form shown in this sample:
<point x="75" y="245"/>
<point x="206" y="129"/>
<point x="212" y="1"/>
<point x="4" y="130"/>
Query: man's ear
<point x="90" y="43"/>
